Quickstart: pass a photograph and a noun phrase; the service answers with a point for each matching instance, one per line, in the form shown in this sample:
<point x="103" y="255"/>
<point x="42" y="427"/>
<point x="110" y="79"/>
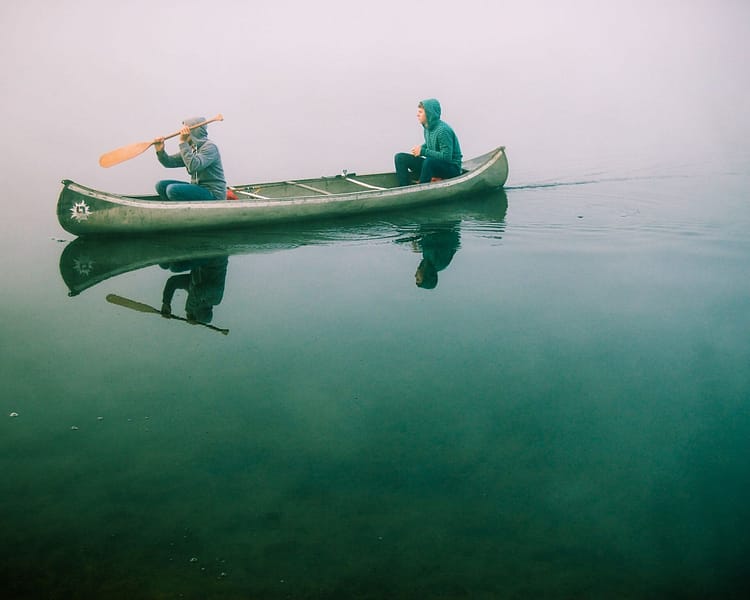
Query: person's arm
<point x="174" y="283"/>
<point x="169" y="161"/>
<point x="445" y="145"/>
<point x="206" y="155"/>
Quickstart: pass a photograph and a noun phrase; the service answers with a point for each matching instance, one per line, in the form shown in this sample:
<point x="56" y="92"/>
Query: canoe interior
<point x="321" y="186"/>
<point x="345" y="183"/>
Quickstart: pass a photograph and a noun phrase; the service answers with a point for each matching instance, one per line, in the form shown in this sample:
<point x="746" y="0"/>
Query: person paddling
<point x="200" y="156"/>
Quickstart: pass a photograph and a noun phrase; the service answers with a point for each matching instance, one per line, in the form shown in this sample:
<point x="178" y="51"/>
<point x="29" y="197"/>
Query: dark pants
<point x="171" y="189"/>
<point x="409" y="167"/>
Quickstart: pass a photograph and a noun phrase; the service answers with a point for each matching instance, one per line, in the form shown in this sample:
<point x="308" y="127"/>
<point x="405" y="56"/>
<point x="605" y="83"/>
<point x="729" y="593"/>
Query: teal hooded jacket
<point x="201" y="158"/>
<point x="440" y="140"/>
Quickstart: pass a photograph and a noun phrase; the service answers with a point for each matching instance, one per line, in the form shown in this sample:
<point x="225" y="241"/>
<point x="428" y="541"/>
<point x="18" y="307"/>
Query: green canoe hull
<point x="84" y="211"/>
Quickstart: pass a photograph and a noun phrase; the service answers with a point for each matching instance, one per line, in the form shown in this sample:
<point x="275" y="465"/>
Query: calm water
<point x="564" y="414"/>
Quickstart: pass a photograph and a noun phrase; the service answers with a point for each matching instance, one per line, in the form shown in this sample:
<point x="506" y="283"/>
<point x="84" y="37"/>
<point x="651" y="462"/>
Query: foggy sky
<point x="310" y="88"/>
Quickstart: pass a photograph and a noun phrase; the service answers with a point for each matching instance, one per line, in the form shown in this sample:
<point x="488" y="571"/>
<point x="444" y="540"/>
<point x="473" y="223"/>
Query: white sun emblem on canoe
<point x="83" y="266"/>
<point x="80" y="211"/>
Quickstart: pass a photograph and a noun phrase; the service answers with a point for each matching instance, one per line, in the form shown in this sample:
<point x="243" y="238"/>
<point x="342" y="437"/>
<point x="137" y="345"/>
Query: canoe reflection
<point x="198" y="262"/>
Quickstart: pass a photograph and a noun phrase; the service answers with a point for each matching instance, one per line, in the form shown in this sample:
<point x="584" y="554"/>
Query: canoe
<point x="90" y="260"/>
<point x="85" y="211"/>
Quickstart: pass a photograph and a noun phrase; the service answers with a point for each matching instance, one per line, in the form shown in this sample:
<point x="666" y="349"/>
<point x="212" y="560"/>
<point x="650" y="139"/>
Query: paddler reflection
<point x="438" y="244"/>
<point x="204" y="283"/>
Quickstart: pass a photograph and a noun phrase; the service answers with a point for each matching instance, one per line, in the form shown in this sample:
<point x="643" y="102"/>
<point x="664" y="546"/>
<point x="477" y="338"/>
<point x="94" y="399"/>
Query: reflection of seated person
<point x="204" y="285"/>
<point x="438" y="245"/>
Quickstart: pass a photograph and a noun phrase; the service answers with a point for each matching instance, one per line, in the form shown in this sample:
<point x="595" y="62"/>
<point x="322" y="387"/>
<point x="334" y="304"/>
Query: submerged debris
<point x="13" y="414"/>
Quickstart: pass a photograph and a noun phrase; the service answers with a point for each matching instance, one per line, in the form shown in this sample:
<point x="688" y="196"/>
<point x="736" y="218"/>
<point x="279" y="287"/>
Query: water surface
<point x="564" y="413"/>
<point x="560" y="412"/>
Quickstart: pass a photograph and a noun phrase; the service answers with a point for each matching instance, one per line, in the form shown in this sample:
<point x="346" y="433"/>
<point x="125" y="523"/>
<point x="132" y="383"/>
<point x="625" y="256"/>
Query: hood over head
<point x="432" y="110"/>
<point x="429" y="275"/>
<point x="199" y="134"/>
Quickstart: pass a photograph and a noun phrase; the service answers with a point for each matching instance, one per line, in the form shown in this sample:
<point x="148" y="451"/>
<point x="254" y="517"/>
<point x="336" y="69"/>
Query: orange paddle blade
<point x="122" y="154"/>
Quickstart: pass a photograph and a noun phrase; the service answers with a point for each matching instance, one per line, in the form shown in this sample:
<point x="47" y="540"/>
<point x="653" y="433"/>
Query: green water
<point x="563" y="416"/>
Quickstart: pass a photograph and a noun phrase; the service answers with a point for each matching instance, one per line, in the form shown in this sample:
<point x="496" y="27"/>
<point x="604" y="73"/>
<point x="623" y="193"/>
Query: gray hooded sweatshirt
<point x="201" y="158"/>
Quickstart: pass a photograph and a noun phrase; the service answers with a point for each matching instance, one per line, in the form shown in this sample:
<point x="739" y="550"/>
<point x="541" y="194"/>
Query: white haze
<point x="309" y="88"/>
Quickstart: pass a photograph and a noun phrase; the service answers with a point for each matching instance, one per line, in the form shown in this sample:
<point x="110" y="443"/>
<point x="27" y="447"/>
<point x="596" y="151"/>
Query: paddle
<point x="115" y="157"/>
<point x="145" y="308"/>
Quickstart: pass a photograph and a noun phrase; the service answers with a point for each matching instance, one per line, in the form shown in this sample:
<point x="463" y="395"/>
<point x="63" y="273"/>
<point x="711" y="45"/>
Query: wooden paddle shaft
<point x="218" y="117"/>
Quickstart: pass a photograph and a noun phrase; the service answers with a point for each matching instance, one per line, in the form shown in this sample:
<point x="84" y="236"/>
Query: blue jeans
<point x="171" y="189"/>
<point x="408" y="166"/>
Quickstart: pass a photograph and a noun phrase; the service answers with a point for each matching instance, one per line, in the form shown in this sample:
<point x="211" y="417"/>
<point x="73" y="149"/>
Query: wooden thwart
<point x="248" y="194"/>
<point x="308" y="187"/>
<point x="363" y="184"/>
